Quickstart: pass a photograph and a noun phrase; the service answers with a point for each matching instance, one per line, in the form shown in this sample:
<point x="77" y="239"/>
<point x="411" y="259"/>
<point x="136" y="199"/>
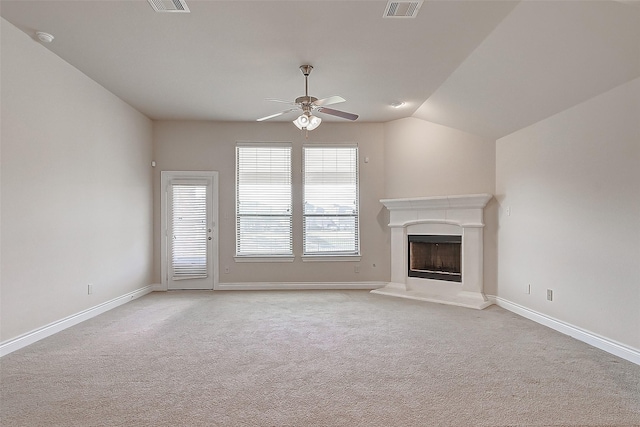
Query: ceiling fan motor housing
<point x="306" y="100"/>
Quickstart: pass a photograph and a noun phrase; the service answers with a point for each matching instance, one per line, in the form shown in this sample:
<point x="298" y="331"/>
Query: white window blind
<point x="189" y="227"/>
<point x="330" y="220"/>
<point x="263" y="200"/>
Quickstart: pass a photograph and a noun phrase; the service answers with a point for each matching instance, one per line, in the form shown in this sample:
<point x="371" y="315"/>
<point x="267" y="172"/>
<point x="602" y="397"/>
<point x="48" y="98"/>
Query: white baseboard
<point x="605" y="344"/>
<point x="280" y="286"/>
<point x="24" y="340"/>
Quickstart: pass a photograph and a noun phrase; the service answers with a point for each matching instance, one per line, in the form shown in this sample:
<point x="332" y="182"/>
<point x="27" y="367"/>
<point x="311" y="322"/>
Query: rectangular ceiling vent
<point x="169" y="6"/>
<point x="402" y="9"/>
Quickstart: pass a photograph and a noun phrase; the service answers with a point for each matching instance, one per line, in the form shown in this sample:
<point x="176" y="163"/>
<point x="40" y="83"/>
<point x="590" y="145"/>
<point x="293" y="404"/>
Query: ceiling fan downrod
<point x="306" y="100"/>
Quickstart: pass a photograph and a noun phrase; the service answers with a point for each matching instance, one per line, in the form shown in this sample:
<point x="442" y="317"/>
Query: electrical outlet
<point x="528" y="289"/>
<point x="226" y="269"/>
<point x="89" y="288"/>
<point x="549" y="295"/>
<point x="356" y="269"/>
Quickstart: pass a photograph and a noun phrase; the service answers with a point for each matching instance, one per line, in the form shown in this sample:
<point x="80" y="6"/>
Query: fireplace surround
<point x="458" y="218"/>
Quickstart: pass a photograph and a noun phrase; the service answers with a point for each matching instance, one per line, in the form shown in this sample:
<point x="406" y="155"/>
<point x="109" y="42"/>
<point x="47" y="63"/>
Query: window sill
<point x="330" y="258"/>
<point x="261" y="258"/>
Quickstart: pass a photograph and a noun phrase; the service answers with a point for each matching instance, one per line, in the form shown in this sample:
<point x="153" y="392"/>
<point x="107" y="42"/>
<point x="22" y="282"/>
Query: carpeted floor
<point x="313" y="358"/>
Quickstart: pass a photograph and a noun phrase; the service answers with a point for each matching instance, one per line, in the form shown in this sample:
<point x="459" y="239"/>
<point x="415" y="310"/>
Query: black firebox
<point x="436" y="257"/>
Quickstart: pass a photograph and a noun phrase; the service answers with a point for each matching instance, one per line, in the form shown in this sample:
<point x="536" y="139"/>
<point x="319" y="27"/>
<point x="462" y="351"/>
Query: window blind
<point x="189" y="239"/>
<point x="330" y="187"/>
<point x="263" y="200"/>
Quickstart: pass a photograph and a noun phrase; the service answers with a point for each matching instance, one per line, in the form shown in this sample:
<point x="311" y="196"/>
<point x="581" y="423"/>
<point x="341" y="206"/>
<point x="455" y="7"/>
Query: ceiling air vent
<point x="401" y="9"/>
<point x="169" y="5"/>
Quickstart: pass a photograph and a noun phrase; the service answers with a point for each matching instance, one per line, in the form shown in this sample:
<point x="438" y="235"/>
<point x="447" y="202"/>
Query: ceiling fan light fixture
<point x="314" y="122"/>
<point x="307" y="121"/>
<point x="301" y="122"/>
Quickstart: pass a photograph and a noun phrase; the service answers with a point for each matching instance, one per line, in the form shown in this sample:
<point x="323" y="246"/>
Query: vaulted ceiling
<point x="485" y="67"/>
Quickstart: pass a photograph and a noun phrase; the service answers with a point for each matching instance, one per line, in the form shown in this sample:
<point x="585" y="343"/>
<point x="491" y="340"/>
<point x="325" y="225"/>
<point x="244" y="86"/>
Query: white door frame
<point x="165" y="178"/>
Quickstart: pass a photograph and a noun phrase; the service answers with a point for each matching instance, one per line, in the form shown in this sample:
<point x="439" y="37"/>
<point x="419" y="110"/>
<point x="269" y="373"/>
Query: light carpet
<point x="313" y="358"/>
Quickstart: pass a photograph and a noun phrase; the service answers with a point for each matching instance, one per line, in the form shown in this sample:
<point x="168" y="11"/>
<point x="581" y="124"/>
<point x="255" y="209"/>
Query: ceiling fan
<point x="309" y="104"/>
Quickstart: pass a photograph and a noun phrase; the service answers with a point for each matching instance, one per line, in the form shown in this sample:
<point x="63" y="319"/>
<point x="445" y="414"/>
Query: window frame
<point x="337" y="255"/>
<point x="263" y="257"/>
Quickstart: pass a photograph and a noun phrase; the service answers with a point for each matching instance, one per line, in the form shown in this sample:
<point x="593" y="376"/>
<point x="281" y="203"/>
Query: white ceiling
<point x="486" y="67"/>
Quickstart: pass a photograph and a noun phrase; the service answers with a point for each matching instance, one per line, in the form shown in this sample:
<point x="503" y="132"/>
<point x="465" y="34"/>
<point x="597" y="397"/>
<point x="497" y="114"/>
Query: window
<point x="330" y="218"/>
<point x="263" y="200"/>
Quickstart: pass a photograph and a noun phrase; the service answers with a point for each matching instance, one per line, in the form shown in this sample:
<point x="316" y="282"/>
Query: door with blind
<point x="190" y="230"/>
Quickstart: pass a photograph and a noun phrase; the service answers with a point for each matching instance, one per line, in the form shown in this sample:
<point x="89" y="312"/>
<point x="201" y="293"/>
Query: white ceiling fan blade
<point x="338" y="113"/>
<point x="261" y="119"/>
<point x="328" y="101"/>
<point x="281" y="101"/>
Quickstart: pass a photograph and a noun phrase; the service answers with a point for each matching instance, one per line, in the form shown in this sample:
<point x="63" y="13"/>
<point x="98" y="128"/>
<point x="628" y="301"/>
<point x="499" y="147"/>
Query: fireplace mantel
<point x="459" y="215"/>
<point x="468" y="201"/>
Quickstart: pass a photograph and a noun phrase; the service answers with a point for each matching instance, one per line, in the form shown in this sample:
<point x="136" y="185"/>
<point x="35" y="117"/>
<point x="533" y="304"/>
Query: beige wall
<point x="426" y="159"/>
<point x="76" y="190"/>
<point x="200" y="145"/>
<point x="572" y="182"/>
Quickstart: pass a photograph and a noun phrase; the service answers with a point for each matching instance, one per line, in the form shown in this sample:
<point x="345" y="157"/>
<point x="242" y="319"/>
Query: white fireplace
<point x="438" y="216"/>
